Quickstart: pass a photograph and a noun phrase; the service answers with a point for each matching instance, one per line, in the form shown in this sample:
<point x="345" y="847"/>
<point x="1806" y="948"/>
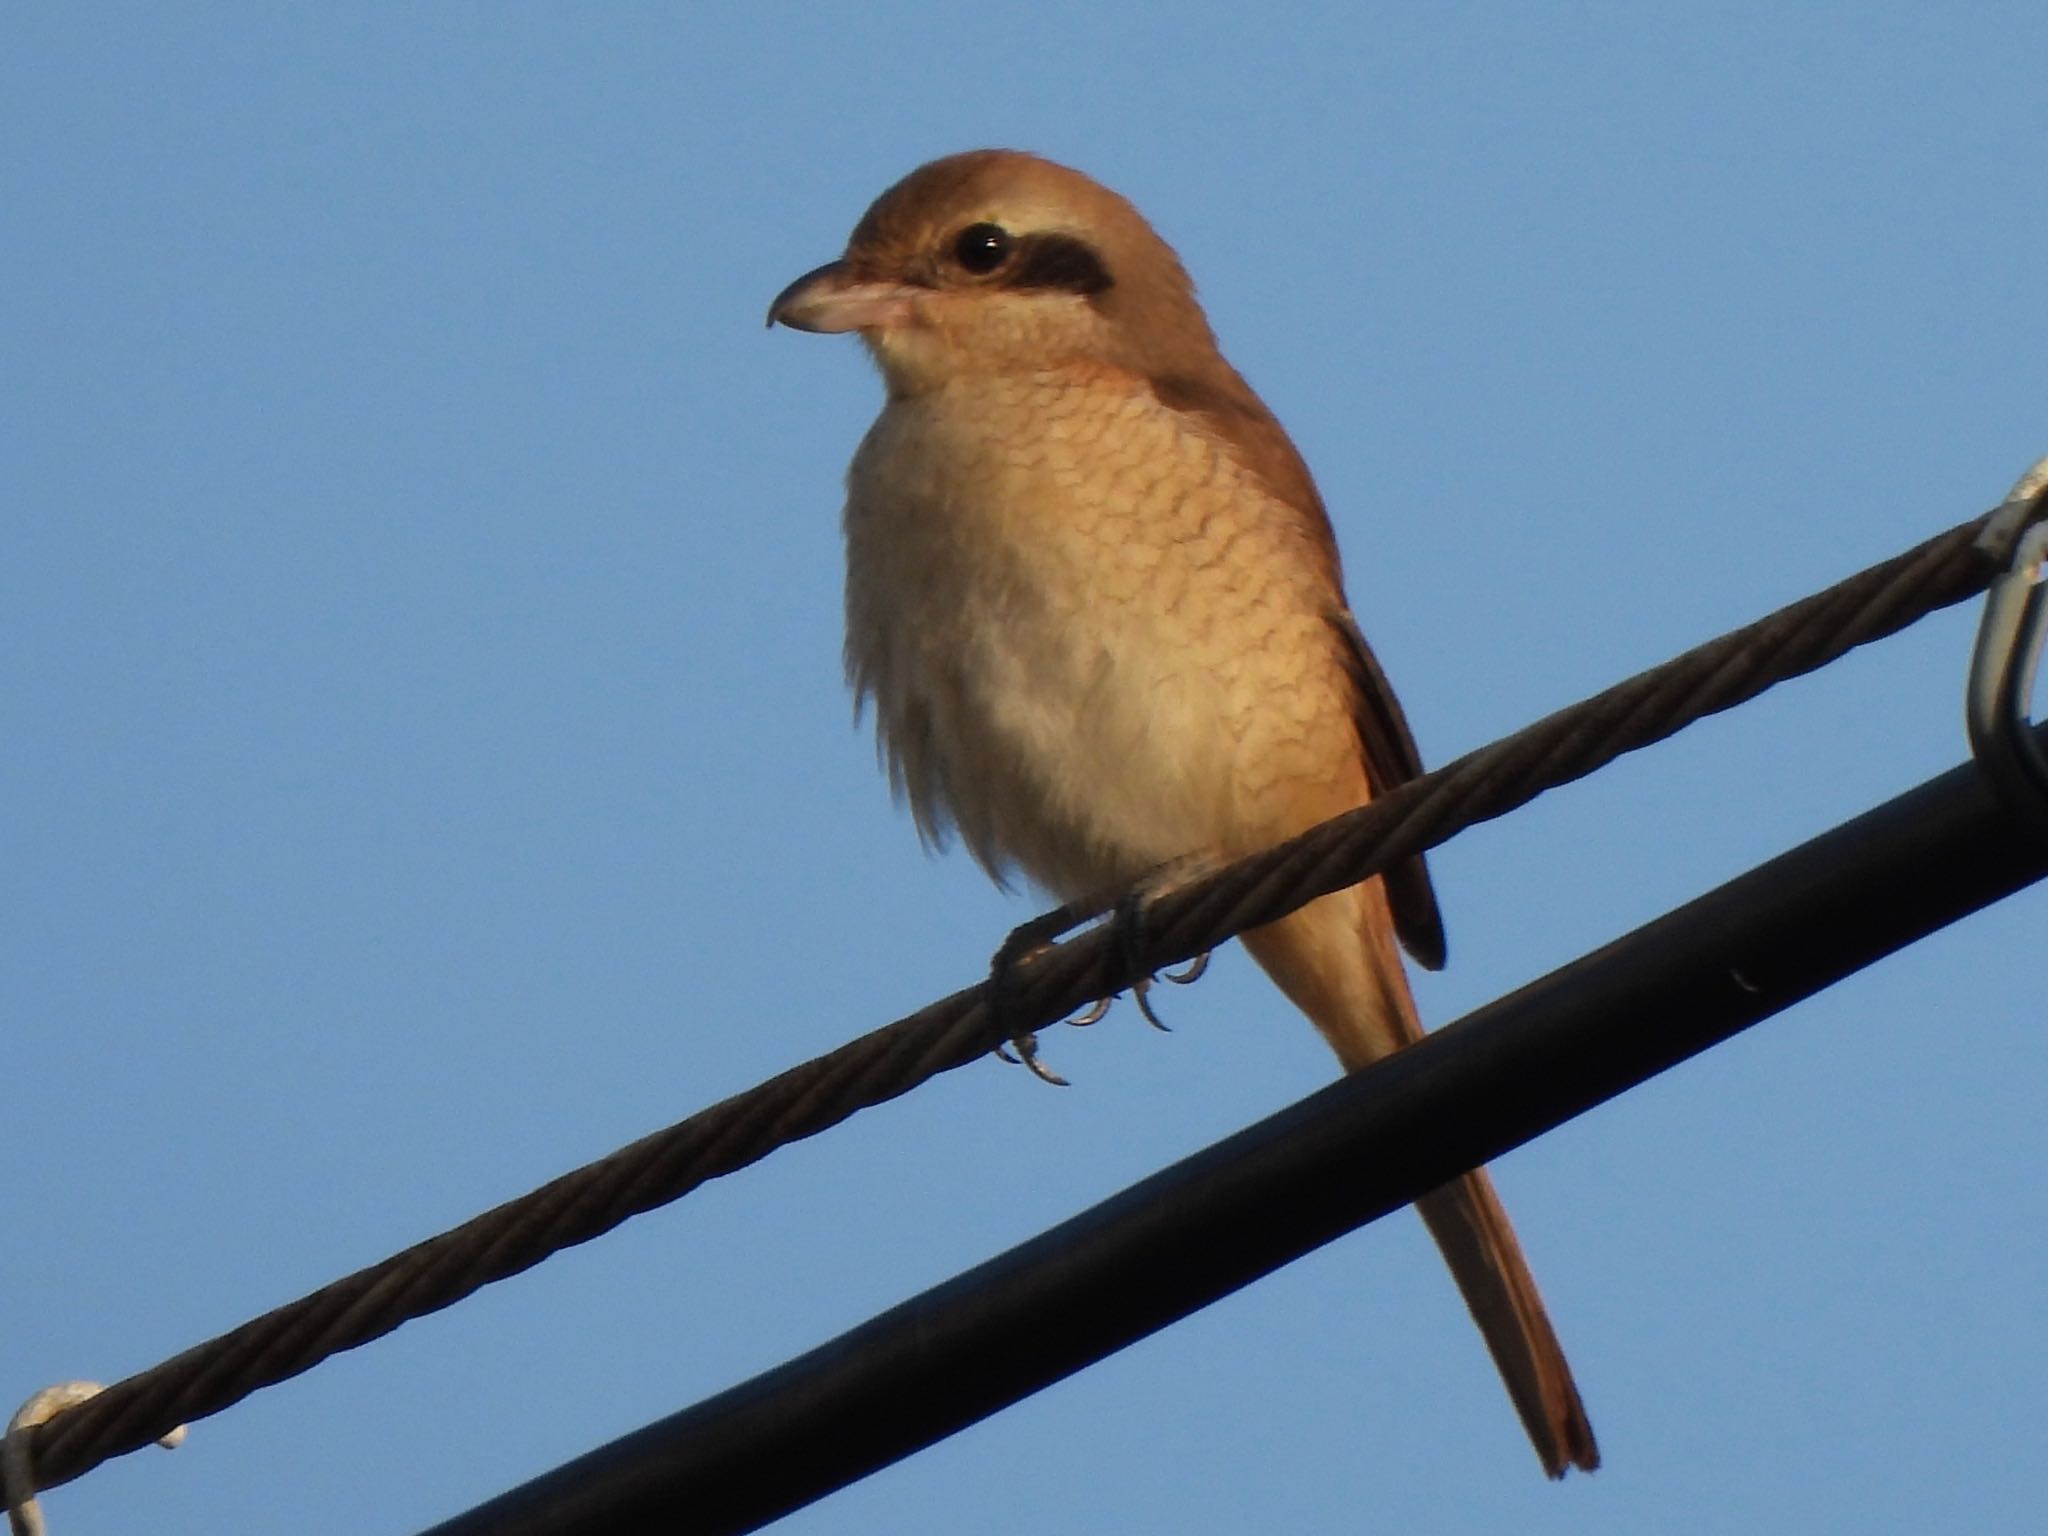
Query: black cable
<point x="1345" y="1156"/>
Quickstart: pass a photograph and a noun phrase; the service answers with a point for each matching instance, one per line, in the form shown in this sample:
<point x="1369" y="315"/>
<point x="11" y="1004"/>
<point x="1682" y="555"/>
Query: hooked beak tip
<point x="835" y="298"/>
<point x="809" y="298"/>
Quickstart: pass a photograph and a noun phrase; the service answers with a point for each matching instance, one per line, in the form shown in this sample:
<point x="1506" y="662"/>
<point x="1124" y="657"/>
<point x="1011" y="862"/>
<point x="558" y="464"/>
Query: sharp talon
<point x="1139" y="991"/>
<point x="1094" y="1013"/>
<point x="1027" y="1052"/>
<point x="1192" y="973"/>
<point x="1002" y="1053"/>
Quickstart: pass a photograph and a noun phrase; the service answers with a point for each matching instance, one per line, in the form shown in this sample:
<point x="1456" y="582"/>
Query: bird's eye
<point x="981" y="248"/>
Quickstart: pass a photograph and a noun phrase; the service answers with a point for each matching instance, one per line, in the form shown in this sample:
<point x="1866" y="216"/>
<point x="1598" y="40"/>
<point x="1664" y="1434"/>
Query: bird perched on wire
<point x="1094" y="600"/>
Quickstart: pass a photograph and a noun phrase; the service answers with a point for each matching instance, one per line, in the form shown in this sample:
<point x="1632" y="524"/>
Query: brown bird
<point x="1095" y="601"/>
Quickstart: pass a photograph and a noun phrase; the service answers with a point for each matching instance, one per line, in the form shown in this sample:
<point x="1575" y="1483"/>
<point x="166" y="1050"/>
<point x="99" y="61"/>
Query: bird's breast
<point x="1093" y="641"/>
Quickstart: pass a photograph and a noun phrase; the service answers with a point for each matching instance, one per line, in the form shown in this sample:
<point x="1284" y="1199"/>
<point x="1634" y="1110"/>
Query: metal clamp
<point x="2010" y="637"/>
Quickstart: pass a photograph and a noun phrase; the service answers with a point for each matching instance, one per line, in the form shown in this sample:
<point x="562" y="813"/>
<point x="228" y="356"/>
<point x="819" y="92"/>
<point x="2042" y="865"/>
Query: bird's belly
<point x="1073" y="741"/>
<point x="1089" y="674"/>
<point x="1108" y="750"/>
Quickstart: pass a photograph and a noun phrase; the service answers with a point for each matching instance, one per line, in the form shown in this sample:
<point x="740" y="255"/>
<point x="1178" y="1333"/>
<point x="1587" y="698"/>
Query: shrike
<point x="1094" y="600"/>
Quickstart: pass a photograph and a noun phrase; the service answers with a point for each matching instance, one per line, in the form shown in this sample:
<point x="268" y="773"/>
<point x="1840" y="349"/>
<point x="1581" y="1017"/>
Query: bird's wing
<point x="1228" y="408"/>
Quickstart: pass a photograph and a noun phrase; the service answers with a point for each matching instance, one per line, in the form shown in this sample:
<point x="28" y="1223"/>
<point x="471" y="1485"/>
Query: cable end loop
<point x="17" y="1474"/>
<point x="2010" y="638"/>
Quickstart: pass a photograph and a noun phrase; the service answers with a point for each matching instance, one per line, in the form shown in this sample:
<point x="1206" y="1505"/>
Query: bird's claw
<point x="1191" y="973"/>
<point x="1141" y="991"/>
<point x="1094" y="1013"/>
<point x="1027" y="1055"/>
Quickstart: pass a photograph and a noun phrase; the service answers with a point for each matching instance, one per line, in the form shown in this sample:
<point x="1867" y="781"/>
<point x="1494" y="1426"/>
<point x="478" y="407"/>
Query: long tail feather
<point x="1357" y="996"/>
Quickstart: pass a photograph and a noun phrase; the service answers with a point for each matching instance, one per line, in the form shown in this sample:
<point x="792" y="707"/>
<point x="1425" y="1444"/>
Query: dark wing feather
<point x="1391" y="759"/>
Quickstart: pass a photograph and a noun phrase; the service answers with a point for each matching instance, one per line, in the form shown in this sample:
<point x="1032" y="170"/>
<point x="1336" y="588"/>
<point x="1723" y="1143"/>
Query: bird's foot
<point x="1126" y="915"/>
<point x="1026" y="940"/>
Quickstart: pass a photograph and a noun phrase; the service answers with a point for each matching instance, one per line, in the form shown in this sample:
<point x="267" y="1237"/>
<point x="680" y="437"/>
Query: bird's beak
<point x="836" y="298"/>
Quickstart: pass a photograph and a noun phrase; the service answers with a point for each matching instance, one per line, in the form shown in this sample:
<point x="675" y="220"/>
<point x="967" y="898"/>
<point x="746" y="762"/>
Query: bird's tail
<point x="1358" y="997"/>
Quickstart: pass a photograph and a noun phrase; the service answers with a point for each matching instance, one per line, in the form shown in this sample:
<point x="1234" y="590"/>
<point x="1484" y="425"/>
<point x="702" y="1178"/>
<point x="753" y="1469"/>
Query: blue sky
<point x="424" y="764"/>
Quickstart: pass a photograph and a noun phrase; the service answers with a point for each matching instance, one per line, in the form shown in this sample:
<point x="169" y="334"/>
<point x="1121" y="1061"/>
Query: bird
<point x="1095" y="603"/>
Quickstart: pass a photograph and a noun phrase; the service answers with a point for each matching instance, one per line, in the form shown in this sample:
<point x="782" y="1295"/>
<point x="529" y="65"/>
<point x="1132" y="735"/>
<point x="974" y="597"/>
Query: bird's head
<point x="999" y="259"/>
